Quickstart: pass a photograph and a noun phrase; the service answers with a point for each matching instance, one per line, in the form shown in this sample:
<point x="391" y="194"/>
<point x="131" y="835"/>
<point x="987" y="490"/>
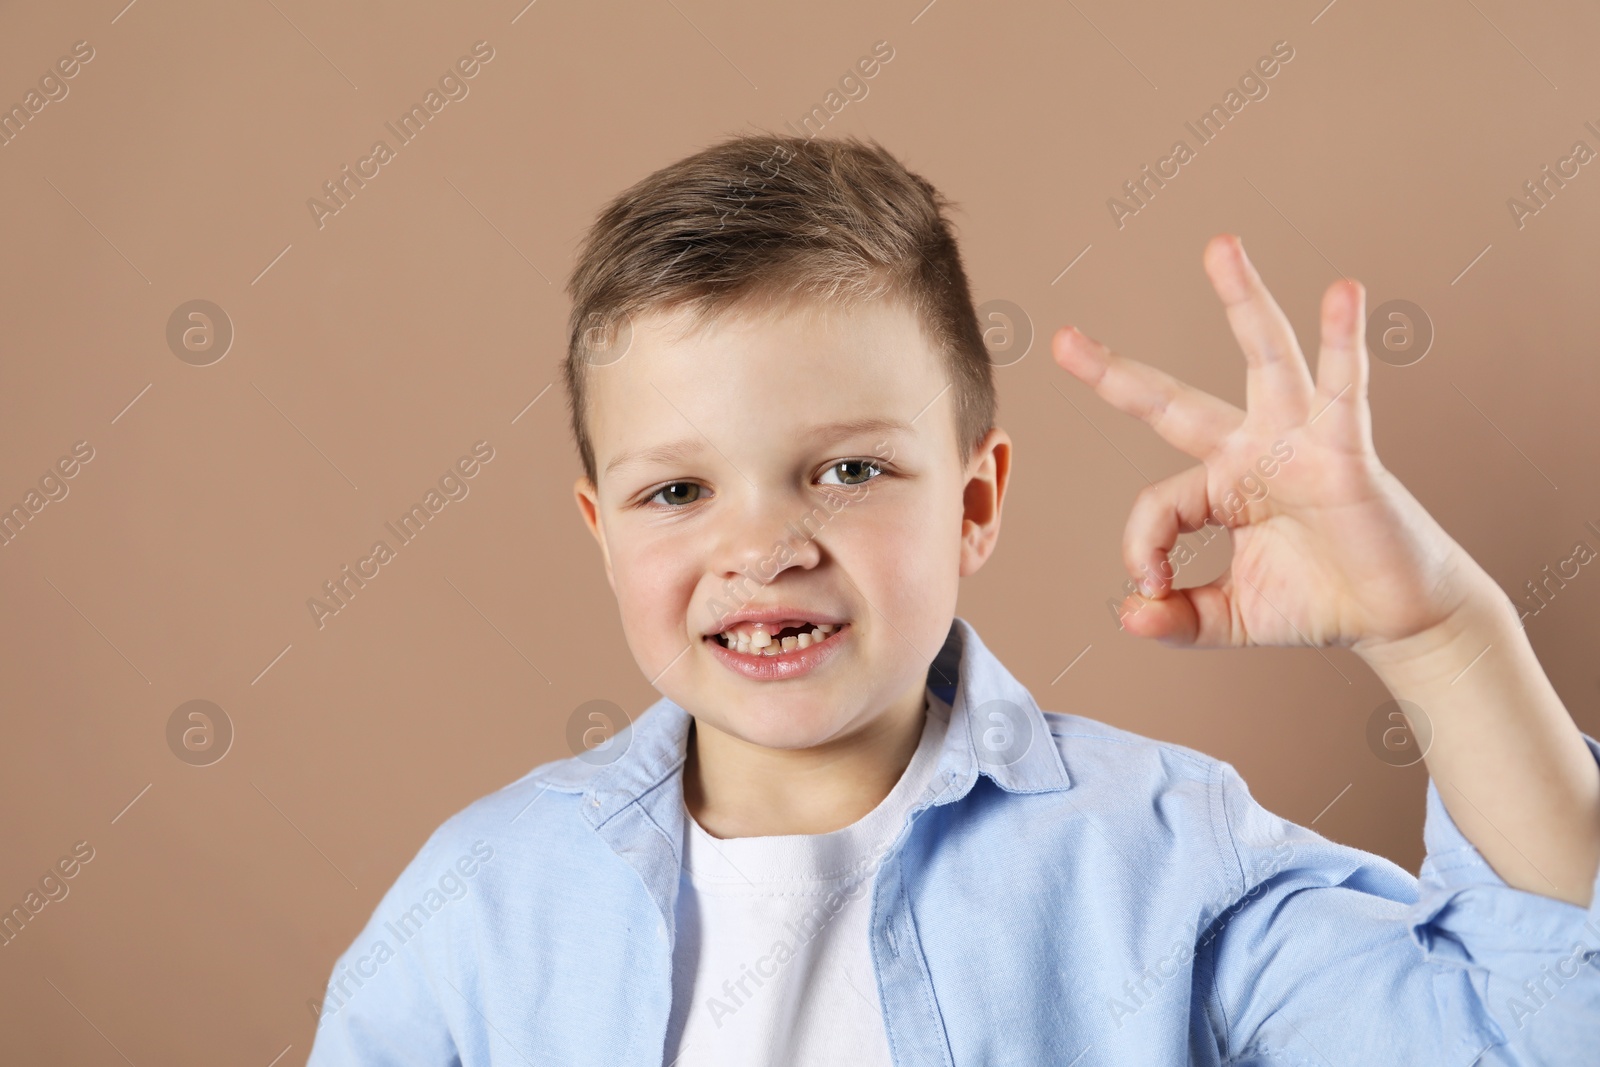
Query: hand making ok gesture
<point x="1329" y="547"/>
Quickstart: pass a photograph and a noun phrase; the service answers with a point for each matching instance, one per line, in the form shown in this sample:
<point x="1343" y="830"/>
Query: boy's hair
<point x="759" y="221"/>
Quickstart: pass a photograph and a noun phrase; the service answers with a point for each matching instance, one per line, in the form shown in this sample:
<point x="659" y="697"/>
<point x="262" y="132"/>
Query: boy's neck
<point x="735" y="789"/>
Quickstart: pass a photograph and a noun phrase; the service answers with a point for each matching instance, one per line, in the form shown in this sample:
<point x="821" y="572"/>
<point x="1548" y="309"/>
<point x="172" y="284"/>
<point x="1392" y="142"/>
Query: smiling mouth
<point x="762" y="640"/>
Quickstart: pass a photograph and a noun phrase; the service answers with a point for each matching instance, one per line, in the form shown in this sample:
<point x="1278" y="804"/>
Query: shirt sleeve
<point x="1331" y="955"/>
<point x="381" y="1007"/>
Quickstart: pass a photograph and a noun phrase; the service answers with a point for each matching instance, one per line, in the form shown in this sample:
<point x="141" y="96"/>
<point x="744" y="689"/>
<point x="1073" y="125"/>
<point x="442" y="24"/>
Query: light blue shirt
<point x="1065" y="892"/>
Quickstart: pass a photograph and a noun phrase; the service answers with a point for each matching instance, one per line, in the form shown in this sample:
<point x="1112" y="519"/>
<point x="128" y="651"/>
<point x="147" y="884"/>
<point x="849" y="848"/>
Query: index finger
<point x="1185" y="417"/>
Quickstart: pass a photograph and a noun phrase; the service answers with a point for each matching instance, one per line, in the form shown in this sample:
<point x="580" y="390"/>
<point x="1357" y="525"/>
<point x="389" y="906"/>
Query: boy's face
<point x="801" y="465"/>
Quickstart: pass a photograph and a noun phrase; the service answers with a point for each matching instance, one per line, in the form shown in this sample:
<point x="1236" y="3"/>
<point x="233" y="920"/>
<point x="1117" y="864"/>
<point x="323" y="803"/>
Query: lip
<point x="784" y="665"/>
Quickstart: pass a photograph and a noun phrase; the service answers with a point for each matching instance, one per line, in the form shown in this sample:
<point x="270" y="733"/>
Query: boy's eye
<point x="677" y="494"/>
<point x="852" y="472"/>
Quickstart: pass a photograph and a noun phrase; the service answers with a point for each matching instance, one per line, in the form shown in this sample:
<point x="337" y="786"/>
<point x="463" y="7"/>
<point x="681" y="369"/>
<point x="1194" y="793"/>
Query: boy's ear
<point x="988" y="472"/>
<point x="588" y="498"/>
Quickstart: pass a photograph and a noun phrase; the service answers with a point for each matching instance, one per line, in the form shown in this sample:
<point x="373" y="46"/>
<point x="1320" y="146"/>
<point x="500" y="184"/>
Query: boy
<point x="846" y="833"/>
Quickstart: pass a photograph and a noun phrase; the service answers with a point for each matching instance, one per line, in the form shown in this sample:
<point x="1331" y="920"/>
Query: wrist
<point x="1484" y="619"/>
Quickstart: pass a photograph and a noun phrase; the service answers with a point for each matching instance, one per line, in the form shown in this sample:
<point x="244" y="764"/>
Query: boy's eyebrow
<point x="857" y="428"/>
<point x="655" y="454"/>
<point x="677" y="450"/>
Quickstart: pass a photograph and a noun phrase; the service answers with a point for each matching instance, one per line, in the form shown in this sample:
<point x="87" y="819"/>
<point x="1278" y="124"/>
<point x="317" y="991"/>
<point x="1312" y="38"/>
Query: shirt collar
<point x="996" y="729"/>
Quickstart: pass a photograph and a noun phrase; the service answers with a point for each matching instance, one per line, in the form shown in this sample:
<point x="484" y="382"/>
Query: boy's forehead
<point x="752" y="376"/>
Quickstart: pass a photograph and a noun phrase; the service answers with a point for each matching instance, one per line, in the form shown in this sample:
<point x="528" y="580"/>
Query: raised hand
<point x="1328" y="547"/>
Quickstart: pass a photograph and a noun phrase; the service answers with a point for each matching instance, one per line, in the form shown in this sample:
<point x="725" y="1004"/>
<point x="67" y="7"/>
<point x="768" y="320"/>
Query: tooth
<point x="760" y="639"/>
<point x="826" y="627"/>
<point x="803" y="641"/>
<point x="817" y="635"/>
<point x="744" y="644"/>
<point x="789" y="644"/>
<point x="770" y="650"/>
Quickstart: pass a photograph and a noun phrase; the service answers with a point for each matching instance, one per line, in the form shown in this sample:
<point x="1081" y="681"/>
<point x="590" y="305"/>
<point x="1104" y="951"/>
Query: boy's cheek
<point x="653" y="588"/>
<point x="903" y="568"/>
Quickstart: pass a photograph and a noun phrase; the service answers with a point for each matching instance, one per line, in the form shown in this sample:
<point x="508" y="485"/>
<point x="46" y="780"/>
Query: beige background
<point x="428" y="313"/>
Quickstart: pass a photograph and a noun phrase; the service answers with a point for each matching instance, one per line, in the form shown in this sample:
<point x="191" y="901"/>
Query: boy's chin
<point x="778" y="727"/>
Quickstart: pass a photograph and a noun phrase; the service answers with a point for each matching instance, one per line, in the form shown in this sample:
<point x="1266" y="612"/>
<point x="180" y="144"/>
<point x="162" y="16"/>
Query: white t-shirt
<point x="771" y="965"/>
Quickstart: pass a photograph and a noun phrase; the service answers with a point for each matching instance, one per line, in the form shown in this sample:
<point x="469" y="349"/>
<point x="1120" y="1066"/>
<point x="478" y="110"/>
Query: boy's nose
<point x="763" y="545"/>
